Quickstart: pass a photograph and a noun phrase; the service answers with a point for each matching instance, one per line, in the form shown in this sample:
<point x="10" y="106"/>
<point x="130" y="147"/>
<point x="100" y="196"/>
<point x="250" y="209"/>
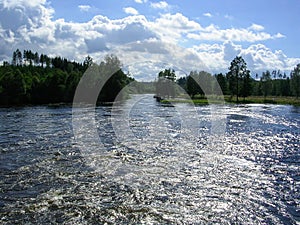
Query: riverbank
<point x="248" y="100"/>
<point x="277" y="100"/>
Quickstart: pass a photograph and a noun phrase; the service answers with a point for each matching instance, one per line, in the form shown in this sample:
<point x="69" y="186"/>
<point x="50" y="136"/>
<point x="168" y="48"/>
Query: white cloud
<point x="256" y="27"/>
<point x="145" y="59"/>
<point x="22" y="3"/>
<point x="159" y="5"/>
<point x="177" y="21"/>
<point x="130" y="10"/>
<point x="25" y="24"/>
<point x="263" y="58"/>
<point x="84" y="8"/>
<point x="258" y="57"/>
<point x="279" y="35"/>
<point x="252" y="34"/>
<point x="207" y="14"/>
<point x="135" y="38"/>
<point x="172" y="27"/>
<point x="231" y="50"/>
<point x="140" y="1"/>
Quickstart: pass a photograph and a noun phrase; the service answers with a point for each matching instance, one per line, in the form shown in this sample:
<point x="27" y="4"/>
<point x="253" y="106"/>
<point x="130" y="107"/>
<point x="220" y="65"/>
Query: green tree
<point x="246" y="88"/>
<point x="71" y="83"/>
<point x="182" y="82"/>
<point x="36" y="58"/>
<point x="207" y="82"/>
<point x="87" y="61"/>
<point x="165" y="86"/>
<point x="286" y="86"/>
<point x="221" y="79"/>
<point x="19" y="57"/>
<point x="31" y="82"/>
<point x="42" y="60"/>
<point x="14" y="59"/>
<point x="295" y="81"/>
<point x="111" y="68"/>
<point x="200" y="83"/>
<point x="266" y="83"/>
<point x="47" y="61"/>
<point x="13" y="87"/>
<point x="237" y="73"/>
<point x="192" y="86"/>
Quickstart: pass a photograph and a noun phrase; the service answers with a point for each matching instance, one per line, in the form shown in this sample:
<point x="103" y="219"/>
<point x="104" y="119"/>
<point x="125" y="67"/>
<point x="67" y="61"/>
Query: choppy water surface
<point x="152" y="164"/>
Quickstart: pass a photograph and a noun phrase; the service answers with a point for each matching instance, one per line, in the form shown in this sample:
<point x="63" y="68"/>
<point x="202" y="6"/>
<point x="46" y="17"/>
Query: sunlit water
<point x="171" y="166"/>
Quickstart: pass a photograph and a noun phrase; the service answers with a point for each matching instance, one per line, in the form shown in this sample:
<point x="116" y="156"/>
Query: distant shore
<point x="277" y="100"/>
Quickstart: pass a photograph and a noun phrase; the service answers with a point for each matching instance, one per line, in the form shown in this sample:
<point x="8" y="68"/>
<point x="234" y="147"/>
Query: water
<point x="150" y="164"/>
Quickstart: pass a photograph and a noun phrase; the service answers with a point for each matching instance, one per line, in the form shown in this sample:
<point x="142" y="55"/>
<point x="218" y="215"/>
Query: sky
<point x="150" y="35"/>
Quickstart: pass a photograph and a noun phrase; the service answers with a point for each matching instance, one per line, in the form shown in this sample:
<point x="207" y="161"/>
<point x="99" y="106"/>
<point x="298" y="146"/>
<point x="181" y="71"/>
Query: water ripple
<point x="248" y="175"/>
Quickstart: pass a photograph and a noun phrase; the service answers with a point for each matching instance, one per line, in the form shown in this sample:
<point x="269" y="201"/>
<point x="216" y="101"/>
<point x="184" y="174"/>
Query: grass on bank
<point x="202" y="100"/>
<point x="279" y="100"/>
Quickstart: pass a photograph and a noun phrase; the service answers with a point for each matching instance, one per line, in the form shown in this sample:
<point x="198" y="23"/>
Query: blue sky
<point x="145" y="34"/>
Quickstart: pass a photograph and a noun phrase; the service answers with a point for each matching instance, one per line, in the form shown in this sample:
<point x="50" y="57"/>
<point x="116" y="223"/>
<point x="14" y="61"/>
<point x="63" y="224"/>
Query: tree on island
<point x="165" y="83"/>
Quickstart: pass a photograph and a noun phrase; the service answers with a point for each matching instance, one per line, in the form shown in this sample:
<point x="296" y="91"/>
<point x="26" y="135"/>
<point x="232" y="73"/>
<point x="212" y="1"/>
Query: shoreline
<point x="248" y="100"/>
<point x="275" y="100"/>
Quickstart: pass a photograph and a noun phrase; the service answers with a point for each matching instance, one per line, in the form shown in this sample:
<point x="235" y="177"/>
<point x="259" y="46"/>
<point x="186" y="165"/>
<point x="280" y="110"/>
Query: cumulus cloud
<point x="15" y="14"/>
<point x="140" y="1"/>
<point x="263" y="58"/>
<point x="97" y="44"/>
<point x="256" y="27"/>
<point x="207" y="14"/>
<point x="172" y="27"/>
<point x="24" y="24"/>
<point x="84" y="8"/>
<point x="22" y="3"/>
<point x="252" y="34"/>
<point x="145" y="59"/>
<point x="130" y="10"/>
<point x="258" y="57"/>
<point x="135" y="38"/>
<point x="230" y="50"/>
<point x="279" y="35"/>
<point x="32" y="27"/>
<point x="159" y="5"/>
<point x="152" y="46"/>
<point x="129" y="32"/>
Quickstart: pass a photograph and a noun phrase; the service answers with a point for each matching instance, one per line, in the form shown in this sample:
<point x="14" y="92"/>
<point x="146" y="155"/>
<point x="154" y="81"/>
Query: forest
<point x="236" y="83"/>
<point x="33" y="78"/>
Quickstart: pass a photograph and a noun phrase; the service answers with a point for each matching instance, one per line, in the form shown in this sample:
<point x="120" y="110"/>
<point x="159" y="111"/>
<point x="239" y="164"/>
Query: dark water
<point x="150" y="164"/>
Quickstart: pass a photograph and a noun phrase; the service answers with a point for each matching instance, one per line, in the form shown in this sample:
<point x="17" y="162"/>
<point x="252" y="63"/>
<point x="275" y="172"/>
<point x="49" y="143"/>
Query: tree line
<point x="237" y="82"/>
<point x="33" y="78"/>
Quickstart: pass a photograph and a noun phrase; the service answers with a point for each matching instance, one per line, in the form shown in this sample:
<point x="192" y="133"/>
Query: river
<point x="150" y="164"/>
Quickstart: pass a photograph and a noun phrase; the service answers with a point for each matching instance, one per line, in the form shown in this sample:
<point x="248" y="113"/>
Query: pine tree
<point x="237" y="74"/>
